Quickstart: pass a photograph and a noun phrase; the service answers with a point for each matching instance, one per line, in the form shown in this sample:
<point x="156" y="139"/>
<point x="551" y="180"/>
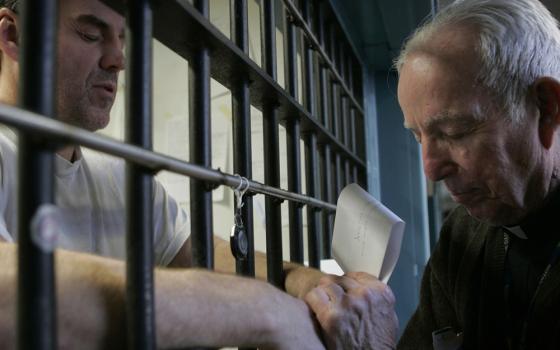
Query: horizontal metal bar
<point x="300" y="21"/>
<point x="180" y="27"/>
<point x="33" y="123"/>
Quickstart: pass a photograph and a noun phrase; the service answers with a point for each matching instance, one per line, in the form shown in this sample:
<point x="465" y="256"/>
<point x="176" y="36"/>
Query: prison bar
<point x="293" y="136"/>
<point x="325" y="150"/>
<point x="301" y="22"/>
<point x="347" y="178"/>
<point x="36" y="284"/>
<point x="327" y="195"/>
<point x="242" y="160"/>
<point x="313" y="222"/>
<point x="200" y="150"/>
<point x="311" y="166"/>
<point x="338" y="173"/>
<point x="179" y="26"/>
<point x="344" y="120"/>
<point x="335" y="109"/>
<point x="353" y="133"/>
<point x="271" y="142"/>
<point x="144" y="163"/>
<point x="35" y="125"/>
<point x="140" y="309"/>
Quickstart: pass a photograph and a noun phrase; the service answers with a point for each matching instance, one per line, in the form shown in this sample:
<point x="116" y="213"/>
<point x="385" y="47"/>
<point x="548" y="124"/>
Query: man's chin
<point x="93" y="122"/>
<point x="494" y="216"/>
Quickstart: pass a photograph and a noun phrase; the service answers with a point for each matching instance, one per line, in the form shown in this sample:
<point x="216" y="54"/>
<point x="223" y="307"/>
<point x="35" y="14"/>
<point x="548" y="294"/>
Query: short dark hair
<point x="11" y="4"/>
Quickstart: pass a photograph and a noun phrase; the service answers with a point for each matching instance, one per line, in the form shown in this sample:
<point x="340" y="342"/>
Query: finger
<point x="348" y="284"/>
<point x="367" y="280"/>
<point x="318" y="300"/>
<point x="327" y="279"/>
<point x="334" y="291"/>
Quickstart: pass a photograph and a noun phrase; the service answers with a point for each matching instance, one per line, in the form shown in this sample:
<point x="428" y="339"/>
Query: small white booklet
<point x="367" y="236"/>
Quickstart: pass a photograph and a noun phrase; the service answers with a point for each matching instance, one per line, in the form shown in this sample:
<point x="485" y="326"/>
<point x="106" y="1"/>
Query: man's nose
<point x="438" y="163"/>
<point x="113" y="57"/>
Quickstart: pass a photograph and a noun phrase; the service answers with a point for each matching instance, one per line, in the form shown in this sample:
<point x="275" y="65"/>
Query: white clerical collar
<point x="516" y="230"/>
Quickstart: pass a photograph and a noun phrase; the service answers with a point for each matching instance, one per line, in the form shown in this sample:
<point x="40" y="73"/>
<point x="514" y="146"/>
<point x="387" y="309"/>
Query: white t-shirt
<point x="90" y="196"/>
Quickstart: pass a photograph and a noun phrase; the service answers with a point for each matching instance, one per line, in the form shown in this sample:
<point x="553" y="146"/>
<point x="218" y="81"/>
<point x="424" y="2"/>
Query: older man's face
<point x="488" y="165"/>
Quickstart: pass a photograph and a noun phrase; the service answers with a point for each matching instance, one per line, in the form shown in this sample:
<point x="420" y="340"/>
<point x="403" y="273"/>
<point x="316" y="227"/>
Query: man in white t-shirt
<point x="90" y="205"/>
<point x="193" y="307"/>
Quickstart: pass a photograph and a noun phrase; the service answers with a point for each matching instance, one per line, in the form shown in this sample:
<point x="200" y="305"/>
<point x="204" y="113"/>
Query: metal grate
<point x="330" y="121"/>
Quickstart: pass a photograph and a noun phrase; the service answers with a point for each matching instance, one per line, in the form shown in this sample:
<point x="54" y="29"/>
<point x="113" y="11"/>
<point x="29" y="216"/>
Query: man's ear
<point x="9" y="33"/>
<point x="547" y="92"/>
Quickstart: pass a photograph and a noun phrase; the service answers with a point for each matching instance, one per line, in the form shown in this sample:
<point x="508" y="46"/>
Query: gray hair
<point x="518" y="41"/>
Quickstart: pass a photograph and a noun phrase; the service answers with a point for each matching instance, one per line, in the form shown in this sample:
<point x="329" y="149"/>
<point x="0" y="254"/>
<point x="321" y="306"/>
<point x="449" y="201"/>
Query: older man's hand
<point x="355" y="311"/>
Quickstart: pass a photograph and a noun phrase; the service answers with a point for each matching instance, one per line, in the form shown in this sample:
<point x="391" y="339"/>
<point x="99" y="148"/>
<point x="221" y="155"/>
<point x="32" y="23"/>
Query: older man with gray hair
<point x="479" y="88"/>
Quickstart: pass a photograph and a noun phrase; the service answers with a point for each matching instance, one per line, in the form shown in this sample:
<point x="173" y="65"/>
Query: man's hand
<point x="355" y="311"/>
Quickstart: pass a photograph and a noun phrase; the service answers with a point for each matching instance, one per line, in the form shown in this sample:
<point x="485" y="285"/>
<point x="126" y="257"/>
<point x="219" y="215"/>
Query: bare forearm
<point x="89" y="299"/>
<point x="193" y="307"/>
<point x="233" y="312"/>
<point x="299" y="279"/>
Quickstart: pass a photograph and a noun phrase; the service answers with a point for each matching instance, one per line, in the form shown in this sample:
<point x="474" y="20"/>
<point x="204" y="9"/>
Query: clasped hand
<point x="355" y="311"/>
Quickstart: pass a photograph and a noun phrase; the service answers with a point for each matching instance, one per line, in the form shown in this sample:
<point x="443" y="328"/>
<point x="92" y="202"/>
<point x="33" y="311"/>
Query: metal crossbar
<point x="329" y="122"/>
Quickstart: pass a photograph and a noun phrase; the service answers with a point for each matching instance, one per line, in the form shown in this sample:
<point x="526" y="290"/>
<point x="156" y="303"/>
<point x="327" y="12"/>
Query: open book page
<point x="367" y="236"/>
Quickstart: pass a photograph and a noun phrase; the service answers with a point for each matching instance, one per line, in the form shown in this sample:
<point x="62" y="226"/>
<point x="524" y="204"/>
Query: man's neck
<point x="68" y="153"/>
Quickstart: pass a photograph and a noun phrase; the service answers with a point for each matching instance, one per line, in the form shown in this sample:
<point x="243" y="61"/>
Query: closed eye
<point x="88" y="37"/>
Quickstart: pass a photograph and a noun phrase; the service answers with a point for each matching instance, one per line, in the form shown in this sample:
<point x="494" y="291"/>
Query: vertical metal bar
<point x="342" y="63"/>
<point x="355" y="176"/>
<point x="271" y="152"/>
<point x="306" y="12"/>
<point x="351" y="75"/>
<point x="309" y="73"/>
<point x="36" y="283"/>
<point x="293" y="131"/>
<point x="333" y="44"/>
<point x="313" y="222"/>
<point x="344" y="119"/>
<point x="323" y="71"/>
<point x="353" y="142"/>
<point x="242" y="159"/>
<point x="327" y="195"/>
<point x="200" y="152"/>
<point x="320" y="18"/>
<point x="338" y="174"/>
<point x="335" y="109"/>
<point x="311" y="165"/>
<point x="324" y="96"/>
<point x="140" y="312"/>
<point x="347" y="178"/>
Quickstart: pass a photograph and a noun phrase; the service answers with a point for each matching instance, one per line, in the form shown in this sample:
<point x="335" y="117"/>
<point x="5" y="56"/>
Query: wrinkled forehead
<point x="438" y="88"/>
<point x="71" y="9"/>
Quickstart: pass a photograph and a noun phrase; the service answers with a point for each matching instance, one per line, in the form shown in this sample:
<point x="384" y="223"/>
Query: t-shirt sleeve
<point x="4" y="234"/>
<point x="171" y="226"/>
<point x="7" y="159"/>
